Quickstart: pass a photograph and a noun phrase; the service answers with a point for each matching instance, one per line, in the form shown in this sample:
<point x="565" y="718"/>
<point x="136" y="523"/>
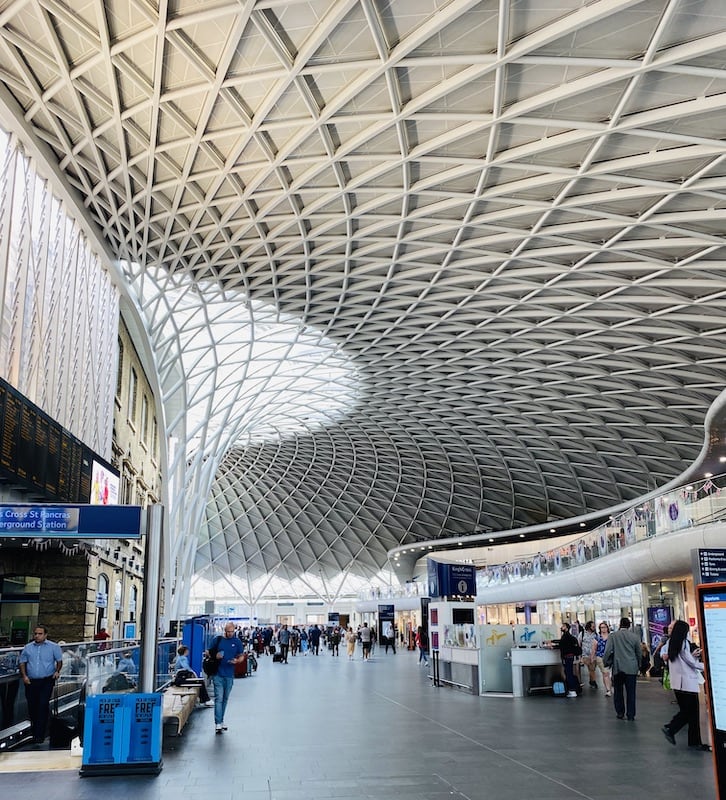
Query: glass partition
<point x="696" y="503"/>
<point x="89" y="668"/>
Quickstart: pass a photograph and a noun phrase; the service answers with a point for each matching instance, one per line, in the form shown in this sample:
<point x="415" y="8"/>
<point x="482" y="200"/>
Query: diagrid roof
<point x="411" y="269"/>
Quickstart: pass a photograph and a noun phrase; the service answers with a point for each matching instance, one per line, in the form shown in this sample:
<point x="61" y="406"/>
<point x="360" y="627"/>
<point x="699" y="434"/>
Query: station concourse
<point x="324" y="728"/>
<point x="336" y="283"/>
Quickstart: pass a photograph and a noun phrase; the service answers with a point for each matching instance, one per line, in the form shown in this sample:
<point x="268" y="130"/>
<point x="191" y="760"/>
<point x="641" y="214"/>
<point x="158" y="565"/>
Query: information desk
<point x="534" y="668"/>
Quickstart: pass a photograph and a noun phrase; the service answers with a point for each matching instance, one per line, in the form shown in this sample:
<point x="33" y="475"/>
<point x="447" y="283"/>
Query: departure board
<point x="10" y="408"/>
<point x="37" y="452"/>
<point x="52" y="457"/>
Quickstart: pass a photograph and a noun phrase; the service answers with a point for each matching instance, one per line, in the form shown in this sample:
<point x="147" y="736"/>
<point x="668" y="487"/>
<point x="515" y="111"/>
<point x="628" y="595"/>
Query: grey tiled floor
<point x="325" y="727"/>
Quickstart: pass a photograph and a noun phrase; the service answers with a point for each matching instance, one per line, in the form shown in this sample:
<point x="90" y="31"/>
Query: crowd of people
<point x="292" y="640"/>
<point x="620" y="656"/>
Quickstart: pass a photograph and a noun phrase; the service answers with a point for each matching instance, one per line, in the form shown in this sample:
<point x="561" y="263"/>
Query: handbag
<point x="666" y="680"/>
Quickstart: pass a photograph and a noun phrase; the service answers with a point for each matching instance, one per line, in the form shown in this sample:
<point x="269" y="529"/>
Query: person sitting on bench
<point x="183" y="672"/>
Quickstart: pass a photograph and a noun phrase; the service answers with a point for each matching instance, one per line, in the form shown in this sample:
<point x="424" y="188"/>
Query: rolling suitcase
<point x="240" y="667"/>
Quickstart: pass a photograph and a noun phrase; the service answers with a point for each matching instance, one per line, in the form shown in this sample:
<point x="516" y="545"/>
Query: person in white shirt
<point x="686" y="674"/>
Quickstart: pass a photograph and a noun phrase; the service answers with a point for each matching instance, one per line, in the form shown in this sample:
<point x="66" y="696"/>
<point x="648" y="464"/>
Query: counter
<point x="534" y="668"/>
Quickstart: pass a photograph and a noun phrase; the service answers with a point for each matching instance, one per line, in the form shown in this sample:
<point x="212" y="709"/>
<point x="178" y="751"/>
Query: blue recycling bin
<point x="122" y="735"/>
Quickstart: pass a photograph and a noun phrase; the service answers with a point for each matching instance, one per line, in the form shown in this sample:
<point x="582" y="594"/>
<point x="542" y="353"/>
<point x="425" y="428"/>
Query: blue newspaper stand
<point x="122" y="735"/>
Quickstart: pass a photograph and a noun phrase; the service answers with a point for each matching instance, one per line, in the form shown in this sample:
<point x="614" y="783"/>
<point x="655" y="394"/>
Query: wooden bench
<point x="177" y="706"/>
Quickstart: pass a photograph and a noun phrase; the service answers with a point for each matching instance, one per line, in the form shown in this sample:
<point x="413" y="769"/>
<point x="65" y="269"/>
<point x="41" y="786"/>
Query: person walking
<point x="589" y="648"/>
<point x="283" y="639"/>
<point x="365" y="640"/>
<point x="227" y="650"/>
<point x="570" y="651"/>
<point x="314" y="637"/>
<point x="603" y="632"/>
<point x="622" y="653"/>
<point x="686" y="674"/>
<point x="350" y="640"/>
<point x="422" y="642"/>
<point x="40" y="665"/>
<point x="335" y="641"/>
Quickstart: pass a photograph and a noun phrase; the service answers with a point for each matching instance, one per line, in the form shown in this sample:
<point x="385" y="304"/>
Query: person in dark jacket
<point x="622" y="653"/>
<point x="314" y="636"/>
<point x="569" y="652"/>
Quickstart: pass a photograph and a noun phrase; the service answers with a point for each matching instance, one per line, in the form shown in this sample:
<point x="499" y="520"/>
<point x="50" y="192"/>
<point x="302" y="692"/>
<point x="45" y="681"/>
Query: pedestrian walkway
<point x="325" y="728"/>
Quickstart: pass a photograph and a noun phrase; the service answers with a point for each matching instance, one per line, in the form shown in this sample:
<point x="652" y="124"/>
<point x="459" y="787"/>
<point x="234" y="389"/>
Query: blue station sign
<point x="448" y="580"/>
<point x="34" y="520"/>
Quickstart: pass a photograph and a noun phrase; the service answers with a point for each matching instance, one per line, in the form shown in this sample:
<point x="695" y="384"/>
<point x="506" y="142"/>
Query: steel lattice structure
<point x="409" y="270"/>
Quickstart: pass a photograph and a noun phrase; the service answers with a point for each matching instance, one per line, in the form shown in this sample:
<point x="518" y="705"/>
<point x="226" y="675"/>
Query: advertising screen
<point x="104" y="486"/>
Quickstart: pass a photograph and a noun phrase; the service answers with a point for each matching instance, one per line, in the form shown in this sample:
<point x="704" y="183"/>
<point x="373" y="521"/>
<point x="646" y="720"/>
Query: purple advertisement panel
<point x="659" y="618"/>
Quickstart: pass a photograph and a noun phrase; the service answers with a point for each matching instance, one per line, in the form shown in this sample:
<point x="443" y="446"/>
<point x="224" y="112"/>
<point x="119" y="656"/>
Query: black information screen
<point x="712" y="565"/>
<point x="37" y="452"/>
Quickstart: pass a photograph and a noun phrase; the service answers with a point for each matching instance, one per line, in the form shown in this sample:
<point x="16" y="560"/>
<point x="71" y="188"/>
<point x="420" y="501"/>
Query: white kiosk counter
<point x="534" y="668"/>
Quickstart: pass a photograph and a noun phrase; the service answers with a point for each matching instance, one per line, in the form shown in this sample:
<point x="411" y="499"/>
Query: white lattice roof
<point x="483" y="243"/>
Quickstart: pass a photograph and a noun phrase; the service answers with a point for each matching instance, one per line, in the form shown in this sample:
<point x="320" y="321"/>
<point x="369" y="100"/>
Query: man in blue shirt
<point x="40" y="664"/>
<point x="229" y="650"/>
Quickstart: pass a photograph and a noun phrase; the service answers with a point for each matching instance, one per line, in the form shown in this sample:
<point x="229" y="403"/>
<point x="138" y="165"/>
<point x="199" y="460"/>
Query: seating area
<point x="178" y="704"/>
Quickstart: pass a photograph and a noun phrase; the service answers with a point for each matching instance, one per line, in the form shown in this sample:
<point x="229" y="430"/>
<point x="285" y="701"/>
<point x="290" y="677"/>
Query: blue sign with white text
<point x="26" y="520"/>
<point x="38" y="520"/>
<point x="451" y="580"/>
<point x="122" y="734"/>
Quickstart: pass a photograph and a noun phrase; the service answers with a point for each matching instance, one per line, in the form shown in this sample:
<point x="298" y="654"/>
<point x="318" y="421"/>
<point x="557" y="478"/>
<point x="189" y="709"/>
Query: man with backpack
<point x="569" y="651"/>
<point x="226" y="650"/>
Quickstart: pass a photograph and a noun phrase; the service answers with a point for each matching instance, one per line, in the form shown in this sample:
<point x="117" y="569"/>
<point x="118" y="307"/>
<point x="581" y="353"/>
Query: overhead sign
<point x="447" y="580"/>
<point x="709" y="565"/>
<point x="33" y="521"/>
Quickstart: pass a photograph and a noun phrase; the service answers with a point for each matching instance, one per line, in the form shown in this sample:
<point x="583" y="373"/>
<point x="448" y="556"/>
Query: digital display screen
<point x="38" y="452"/>
<point x="462" y="616"/>
<point x="713" y="609"/>
<point x="104" y="486"/>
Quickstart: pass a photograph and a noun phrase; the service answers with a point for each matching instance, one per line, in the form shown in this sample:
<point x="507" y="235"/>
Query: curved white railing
<point x="695" y="503"/>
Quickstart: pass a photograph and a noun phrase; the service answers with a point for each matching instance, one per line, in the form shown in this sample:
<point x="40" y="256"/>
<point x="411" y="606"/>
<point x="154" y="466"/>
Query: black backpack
<point x="118" y="682"/>
<point x="210" y="662"/>
<point x="183" y="675"/>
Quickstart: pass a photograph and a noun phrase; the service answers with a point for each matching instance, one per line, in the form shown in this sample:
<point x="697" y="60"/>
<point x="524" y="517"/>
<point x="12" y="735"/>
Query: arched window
<point x="133" y="600"/>
<point x="117" y="598"/>
<point x="101" y="602"/>
<point x="120" y="370"/>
